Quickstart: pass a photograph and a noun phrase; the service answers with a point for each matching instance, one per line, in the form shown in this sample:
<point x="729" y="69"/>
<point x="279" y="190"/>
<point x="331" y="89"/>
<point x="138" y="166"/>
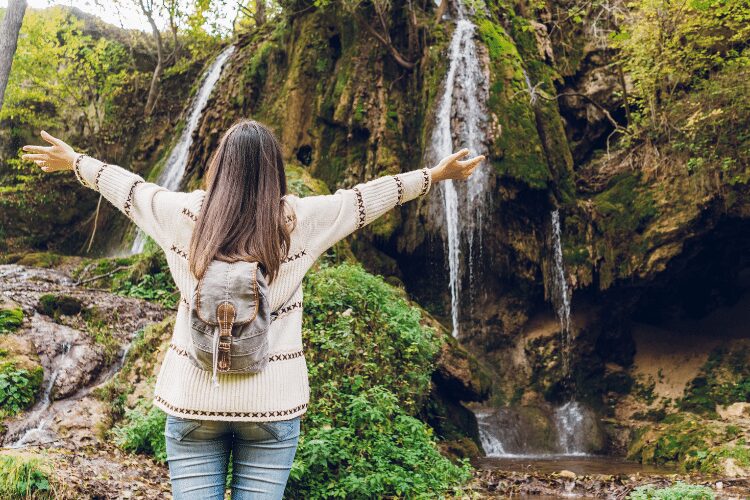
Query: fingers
<point x="34" y="157"/>
<point x="474" y="161"/>
<point x="43" y="165"/>
<point x="37" y="149"/>
<point x="459" y="154"/>
<point x="468" y="166"/>
<point x="53" y="140"/>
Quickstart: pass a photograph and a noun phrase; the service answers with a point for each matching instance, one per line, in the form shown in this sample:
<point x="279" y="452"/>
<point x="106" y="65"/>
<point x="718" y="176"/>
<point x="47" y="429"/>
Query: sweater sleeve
<point x="335" y="216"/>
<point x="148" y="205"/>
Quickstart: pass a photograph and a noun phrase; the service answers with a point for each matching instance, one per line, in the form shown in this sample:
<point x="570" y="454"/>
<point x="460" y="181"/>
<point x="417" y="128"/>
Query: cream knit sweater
<point x="281" y="390"/>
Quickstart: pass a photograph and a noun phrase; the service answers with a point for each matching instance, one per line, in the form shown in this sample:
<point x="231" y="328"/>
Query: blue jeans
<point x="198" y="454"/>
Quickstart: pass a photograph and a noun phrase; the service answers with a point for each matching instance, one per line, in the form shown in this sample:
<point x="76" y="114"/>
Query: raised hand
<point x="58" y="156"/>
<point x="452" y="167"/>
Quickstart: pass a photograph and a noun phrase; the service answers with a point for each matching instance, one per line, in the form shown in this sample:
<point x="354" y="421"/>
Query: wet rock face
<point x="541" y="430"/>
<point x="70" y="354"/>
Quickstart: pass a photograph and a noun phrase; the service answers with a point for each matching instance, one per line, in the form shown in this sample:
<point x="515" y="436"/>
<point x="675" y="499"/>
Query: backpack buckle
<point x="225" y="313"/>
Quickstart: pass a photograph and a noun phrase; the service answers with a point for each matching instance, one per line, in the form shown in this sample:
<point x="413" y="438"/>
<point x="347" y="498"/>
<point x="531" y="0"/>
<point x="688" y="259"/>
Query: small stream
<point x="37" y="419"/>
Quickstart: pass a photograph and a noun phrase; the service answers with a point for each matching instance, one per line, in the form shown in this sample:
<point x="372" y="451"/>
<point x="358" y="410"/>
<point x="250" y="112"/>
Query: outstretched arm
<point x="333" y="217"/>
<point x="144" y="203"/>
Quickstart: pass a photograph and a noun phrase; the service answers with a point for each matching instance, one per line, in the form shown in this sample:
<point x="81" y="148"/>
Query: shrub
<point x="23" y="477"/>
<point x="149" y="279"/>
<point x="159" y="288"/>
<point x="357" y="324"/>
<point x="370" y="362"/>
<point x="678" y="491"/>
<point x="143" y="431"/>
<point x="369" y="448"/>
<point x="18" y="387"/>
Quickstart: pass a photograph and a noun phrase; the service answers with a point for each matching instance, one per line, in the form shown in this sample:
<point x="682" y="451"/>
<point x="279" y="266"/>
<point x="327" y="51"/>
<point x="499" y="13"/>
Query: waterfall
<point x="560" y="293"/>
<point x="462" y="102"/>
<point x="174" y="168"/>
<point x="537" y="431"/>
<point x="570" y="422"/>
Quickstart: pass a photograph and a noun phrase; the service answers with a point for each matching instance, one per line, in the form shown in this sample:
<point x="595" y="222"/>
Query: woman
<point x="245" y="212"/>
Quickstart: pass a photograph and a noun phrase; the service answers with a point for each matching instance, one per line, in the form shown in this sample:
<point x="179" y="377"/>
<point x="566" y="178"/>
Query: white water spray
<point x="571" y="428"/>
<point x="465" y="91"/>
<point x="176" y="164"/>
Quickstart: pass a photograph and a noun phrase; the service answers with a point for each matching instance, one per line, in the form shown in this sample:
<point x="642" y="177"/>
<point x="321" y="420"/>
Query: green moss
<point x="691" y="442"/>
<point x="518" y="152"/>
<point x="644" y="390"/>
<point x="712" y="461"/>
<point x="301" y="183"/>
<point x="40" y="259"/>
<point x="622" y="213"/>
<point x="111" y="271"/>
<point x="139" y="364"/>
<point x="521" y="153"/>
<point x="97" y="325"/>
<point x="56" y="304"/>
<point x="497" y="41"/>
<point x="724" y="379"/>
<point x="10" y="319"/>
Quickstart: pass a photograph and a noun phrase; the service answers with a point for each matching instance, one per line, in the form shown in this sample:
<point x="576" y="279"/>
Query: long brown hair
<point x="243" y="215"/>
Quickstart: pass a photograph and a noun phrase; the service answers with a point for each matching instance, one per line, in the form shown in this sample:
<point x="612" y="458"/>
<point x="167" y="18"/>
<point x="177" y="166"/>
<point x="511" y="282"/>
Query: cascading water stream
<point x="175" y="166"/>
<point x="560" y="293"/>
<point x="37" y="420"/>
<point x="501" y="430"/>
<point x="465" y="91"/>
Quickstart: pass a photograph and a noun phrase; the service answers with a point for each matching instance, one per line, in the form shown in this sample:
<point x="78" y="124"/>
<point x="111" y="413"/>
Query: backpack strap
<point x="273" y="313"/>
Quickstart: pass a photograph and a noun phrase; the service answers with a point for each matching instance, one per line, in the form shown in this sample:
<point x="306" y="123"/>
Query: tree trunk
<point x="9" y="29"/>
<point x="153" y="91"/>
<point x="260" y="12"/>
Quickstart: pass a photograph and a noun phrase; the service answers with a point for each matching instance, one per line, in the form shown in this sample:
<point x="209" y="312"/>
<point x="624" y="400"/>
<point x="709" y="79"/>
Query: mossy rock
<point x="301" y="183"/>
<point x="11" y="316"/>
<point x="692" y="442"/>
<point x="40" y="259"/>
<point x="724" y="379"/>
<point x="54" y="305"/>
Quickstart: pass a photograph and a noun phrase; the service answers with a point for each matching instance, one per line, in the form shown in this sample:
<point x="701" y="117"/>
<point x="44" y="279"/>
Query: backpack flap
<point x="234" y="282"/>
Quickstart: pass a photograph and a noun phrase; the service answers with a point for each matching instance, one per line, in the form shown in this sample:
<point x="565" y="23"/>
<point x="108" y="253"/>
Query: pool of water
<point x="580" y="464"/>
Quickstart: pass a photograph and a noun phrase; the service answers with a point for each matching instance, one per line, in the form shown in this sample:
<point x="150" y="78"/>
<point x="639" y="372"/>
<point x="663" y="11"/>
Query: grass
<point x="24" y="476"/>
